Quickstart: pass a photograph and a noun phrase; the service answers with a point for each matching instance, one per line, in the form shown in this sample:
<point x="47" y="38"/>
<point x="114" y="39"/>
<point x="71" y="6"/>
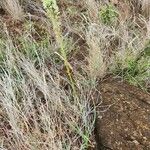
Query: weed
<point x="136" y="71"/>
<point x="108" y="14"/>
<point x="53" y="14"/>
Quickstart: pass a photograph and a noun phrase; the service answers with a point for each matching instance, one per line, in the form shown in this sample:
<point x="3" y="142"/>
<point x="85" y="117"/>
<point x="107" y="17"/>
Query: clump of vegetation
<point x="136" y="71"/>
<point x="47" y="100"/>
<point x="13" y="8"/>
<point x="108" y="14"/>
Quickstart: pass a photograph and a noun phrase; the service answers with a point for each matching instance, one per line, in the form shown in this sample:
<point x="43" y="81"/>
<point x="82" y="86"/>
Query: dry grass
<point x="97" y="59"/>
<point x="37" y="111"/>
<point x="146" y="8"/>
<point x="14" y="8"/>
<point x="38" y="106"/>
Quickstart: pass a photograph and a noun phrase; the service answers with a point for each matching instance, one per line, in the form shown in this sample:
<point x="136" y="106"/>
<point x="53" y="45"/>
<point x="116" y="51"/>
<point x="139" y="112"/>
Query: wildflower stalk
<point x="52" y="10"/>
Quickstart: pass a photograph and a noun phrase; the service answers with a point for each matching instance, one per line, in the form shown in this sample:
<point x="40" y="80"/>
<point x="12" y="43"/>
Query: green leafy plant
<point x="108" y="14"/>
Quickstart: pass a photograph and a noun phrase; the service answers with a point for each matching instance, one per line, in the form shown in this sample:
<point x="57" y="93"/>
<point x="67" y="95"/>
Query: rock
<point x="125" y="122"/>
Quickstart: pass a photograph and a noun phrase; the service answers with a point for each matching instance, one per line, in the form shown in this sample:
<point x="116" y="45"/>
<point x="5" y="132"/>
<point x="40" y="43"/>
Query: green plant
<point x="136" y="71"/>
<point x="108" y="14"/>
<point x="53" y="14"/>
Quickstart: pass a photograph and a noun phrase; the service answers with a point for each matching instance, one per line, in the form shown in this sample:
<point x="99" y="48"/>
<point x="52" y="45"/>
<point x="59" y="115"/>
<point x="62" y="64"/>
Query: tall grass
<point x="146" y="8"/>
<point x="41" y="107"/>
<point x="38" y="112"/>
<point x="14" y="8"/>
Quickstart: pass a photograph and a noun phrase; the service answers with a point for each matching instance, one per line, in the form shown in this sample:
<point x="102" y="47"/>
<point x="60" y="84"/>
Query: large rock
<point x="123" y="121"/>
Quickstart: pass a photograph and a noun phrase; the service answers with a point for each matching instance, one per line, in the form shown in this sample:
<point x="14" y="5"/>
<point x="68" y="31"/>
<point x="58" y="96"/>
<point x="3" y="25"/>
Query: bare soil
<point x="123" y="120"/>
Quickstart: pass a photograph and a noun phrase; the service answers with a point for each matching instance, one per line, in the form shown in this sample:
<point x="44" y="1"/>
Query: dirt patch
<point x="123" y="121"/>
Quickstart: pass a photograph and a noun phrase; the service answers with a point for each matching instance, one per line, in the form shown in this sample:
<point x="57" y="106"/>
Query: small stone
<point x="136" y="142"/>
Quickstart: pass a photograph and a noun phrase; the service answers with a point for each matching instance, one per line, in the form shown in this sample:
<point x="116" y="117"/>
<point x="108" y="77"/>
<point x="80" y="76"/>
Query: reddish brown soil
<point x="123" y="120"/>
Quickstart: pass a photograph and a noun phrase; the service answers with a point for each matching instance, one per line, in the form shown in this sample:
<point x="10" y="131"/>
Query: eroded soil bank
<point x="123" y="119"/>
